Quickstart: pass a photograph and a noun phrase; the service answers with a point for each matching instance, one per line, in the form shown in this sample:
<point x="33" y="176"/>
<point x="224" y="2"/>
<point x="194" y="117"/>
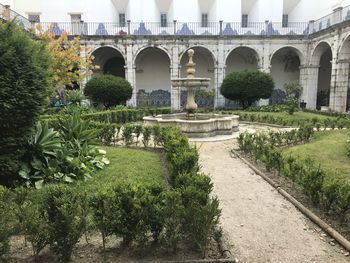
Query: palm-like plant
<point x="41" y="147"/>
<point x="75" y="96"/>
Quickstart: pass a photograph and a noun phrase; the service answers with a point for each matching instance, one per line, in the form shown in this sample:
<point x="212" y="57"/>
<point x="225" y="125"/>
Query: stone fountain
<point x="195" y="125"/>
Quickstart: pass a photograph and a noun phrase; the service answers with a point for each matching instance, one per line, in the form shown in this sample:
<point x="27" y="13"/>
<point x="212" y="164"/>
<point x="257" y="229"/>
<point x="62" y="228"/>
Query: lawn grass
<point x="327" y="149"/>
<point x="129" y="165"/>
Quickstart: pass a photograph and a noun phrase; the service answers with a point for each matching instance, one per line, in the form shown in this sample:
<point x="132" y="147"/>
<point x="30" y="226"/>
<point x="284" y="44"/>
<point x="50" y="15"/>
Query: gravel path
<point x="259" y="224"/>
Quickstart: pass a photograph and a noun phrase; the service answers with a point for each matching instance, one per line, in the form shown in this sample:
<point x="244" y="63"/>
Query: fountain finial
<point x="190" y="65"/>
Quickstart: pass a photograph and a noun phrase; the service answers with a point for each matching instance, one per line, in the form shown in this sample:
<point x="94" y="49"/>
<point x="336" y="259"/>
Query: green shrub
<point x="42" y="148"/>
<point x="74" y="97"/>
<point x="32" y="218"/>
<point x="108" y="90"/>
<point x="24" y="82"/>
<point x="293" y="90"/>
<point x="6" y="220"/>
<point x="128" y="134"/>
<point x="173" y="212"/>
<point x="147" y="132"/>
<point x="63" y="208"/>
<point x="100" y="203"/>
<point x="157" y="135"/>
<point x="247" y="86"/>
<point x="269" y="108"/>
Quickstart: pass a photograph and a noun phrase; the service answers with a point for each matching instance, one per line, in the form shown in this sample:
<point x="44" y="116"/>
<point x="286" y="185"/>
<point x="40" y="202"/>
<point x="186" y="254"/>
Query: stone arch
<point x="343" y="79"/>
<point x="194" y="47"/>
<point x="322" y="57"/>
<point x="317" y="52"/>
<point x="344" y="49"/>
<point x="108" y="60"/>
<point x="284" y="68"/>
<point x="152" y="71"/>
<point x="240" y="58"/>
<point x="154" y="46"/>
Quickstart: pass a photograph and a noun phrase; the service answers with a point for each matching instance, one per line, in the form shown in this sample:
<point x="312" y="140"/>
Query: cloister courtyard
<point x="178" y="143"/>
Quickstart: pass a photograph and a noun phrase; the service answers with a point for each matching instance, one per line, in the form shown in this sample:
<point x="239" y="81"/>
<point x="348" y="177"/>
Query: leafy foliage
<point x="24" y="82"/>
<point x="6" y="220"/>
<point x="247" y="86"/>
<point x="64" y="156"/>
<point x="75" y="97"/>
<point x="41" y="148"/>
<point x="293" y="90"/>
<point x="63" y="208"/>
<point x="71" y="61"/>
<point x="108" y="90"/>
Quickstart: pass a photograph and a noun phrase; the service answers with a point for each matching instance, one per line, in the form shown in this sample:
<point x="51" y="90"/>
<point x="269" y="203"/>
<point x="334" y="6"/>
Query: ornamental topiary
<point x="247" y="86"/>
<point x="108" y="90"/>
<point x="24" y="82"/>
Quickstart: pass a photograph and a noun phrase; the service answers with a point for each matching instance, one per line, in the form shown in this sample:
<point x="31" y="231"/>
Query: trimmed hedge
<point x="247" y="86"/>
<point x="318" y="122"/>
<point x="58" y="215"/>
<point x="115" y="116"/>
<point x="108" y="90"/>
<point x="329" y="191"/>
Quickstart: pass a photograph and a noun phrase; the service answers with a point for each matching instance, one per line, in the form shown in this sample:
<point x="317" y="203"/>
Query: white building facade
<point x="145" y="41"/>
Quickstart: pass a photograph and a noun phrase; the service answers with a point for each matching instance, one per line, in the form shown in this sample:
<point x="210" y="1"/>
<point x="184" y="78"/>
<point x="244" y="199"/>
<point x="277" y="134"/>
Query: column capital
<point x="309" y="66"/>
<point x="343" y="61"/>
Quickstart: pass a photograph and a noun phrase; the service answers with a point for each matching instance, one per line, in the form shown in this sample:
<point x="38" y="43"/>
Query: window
<point x="285" y="21"/>
<point x="204" y="20"/>
<point x="122" y="19"/>
<point x="34" y="18"/>
<point x="76" y="26"/>
<point x="163" y="20"/>
<point x="75" y="18"/>
<point x="244" y="20"/>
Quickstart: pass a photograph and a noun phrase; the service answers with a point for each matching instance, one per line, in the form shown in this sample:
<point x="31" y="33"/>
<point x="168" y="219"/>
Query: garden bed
<point x="298" y="193"/>
<point x="327" y="149"/>
<point x="134" y="208"/>
<point x="318" y="187"/>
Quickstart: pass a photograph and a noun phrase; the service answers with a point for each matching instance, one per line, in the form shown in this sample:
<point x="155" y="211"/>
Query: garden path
<point x="259" y="224"/>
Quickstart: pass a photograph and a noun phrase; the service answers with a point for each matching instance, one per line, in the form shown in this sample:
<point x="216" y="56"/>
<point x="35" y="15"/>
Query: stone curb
<point x="318" y="221"/>
<point x="203" y="261"/>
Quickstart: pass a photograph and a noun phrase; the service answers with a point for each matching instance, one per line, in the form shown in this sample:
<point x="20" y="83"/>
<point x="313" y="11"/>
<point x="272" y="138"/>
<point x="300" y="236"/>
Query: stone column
<point x="219" y="72"/>
<point x="339" y="87"/>
<point x="175" y="73"/>
<point x="311" y="26"/>
<point x="130" y="75"/>
<point x="6" y="13"/>
<point x="337" y="15"/>
<point x="335" y="95"/>
<point x="265" y="67"/>
<point x="83" y="52"/>
<point x="309" y="80"/>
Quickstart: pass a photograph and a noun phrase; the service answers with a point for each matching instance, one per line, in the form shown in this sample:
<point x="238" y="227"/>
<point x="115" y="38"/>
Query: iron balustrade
<point x="323" y="23"/>
<point x="8" y="14"/>
<point x="221" y="28"/>
<point x="173" y="28"/>
<point x="346" y="13"/>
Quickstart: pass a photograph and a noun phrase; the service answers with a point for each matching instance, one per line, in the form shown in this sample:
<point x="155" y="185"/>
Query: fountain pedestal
<point x="195" y="125"/>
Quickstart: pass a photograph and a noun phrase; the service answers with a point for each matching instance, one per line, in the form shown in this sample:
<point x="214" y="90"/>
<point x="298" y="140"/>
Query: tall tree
<point x="71" y="61"/>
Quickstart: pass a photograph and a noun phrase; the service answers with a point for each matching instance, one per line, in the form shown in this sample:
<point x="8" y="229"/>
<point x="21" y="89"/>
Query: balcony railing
<point x="8" y="14"/>
<point x="181" y="28"/>
<point x="175" y="28"/>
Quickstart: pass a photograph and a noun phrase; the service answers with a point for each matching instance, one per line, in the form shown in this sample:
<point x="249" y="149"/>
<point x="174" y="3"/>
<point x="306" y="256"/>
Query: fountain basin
<point x="204" y="125"/>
